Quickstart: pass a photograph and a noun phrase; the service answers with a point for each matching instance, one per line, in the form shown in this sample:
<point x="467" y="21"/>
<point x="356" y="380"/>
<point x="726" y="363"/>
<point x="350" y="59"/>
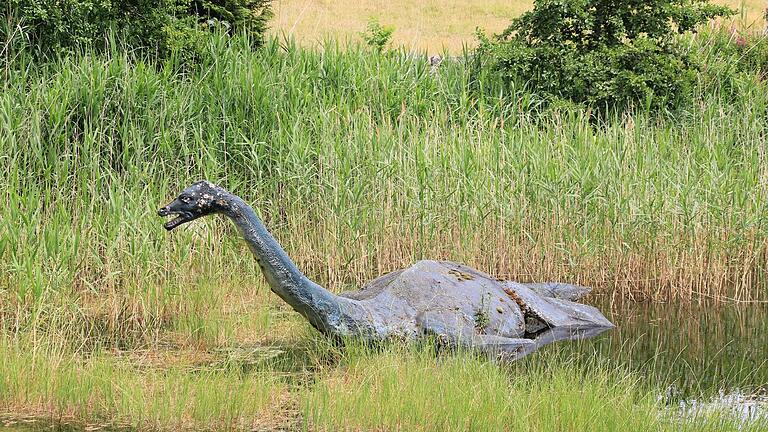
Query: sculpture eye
<point x="185" y="199"/>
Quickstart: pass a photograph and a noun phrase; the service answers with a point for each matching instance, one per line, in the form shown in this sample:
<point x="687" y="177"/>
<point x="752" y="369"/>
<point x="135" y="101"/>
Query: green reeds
<point x="105" y="389"/>
<point x="359" y="163"/>
<point x="414" y="390"/>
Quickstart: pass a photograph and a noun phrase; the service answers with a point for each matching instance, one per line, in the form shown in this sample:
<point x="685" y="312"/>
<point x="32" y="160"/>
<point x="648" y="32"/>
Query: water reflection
<point x="747" y="408"/>
<point x="44" y="425"/>
<point x="691" y="351"/>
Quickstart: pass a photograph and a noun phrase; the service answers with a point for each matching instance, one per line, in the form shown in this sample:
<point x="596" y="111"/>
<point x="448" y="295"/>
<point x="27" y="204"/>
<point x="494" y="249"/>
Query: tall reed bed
<point x="359" y="163"/>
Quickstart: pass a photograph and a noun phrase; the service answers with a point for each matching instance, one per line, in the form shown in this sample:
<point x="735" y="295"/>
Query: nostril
<point x="163" y="211"/>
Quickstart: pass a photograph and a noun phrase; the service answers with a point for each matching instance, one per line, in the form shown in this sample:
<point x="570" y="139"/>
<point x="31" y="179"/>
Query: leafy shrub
<point x="248" y="15"/>
<point x="162" y="26"/>
<point x="603" y="53"/>
<point x="377" y="36"/>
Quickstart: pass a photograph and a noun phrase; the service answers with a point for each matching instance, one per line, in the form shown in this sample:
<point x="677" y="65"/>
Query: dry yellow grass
<point x="425" y="25"/>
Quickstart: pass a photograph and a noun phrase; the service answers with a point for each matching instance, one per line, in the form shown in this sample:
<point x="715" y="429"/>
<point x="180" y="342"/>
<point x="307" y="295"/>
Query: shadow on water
<point x="691" y="350"/>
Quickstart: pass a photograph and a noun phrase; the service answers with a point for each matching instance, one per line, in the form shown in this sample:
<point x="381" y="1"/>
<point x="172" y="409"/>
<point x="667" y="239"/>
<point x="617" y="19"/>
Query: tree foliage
<point x="376" y="35"/>
<point x="161" y="26"/>
<point x="604" y="53"/>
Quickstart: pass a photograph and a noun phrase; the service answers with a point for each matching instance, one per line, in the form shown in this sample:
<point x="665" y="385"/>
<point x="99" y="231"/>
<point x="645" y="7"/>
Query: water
<point x="700" y="357"/>
<point x="690" y="350"/>
<point x="45" y="425"/>
<point x="742" y="406"/>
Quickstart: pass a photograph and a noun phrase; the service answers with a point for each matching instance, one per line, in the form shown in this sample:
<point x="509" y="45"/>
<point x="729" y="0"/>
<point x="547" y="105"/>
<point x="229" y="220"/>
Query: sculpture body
<point x="450" y="301"/>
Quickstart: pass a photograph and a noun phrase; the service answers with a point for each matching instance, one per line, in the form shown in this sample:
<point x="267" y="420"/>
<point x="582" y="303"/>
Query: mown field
<point x="360" y="164"/>
<point x="431" y="26"/>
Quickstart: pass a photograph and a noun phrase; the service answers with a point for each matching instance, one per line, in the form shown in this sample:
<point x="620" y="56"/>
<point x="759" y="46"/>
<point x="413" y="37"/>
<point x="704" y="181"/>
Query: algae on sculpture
<point x="454" y="303"/>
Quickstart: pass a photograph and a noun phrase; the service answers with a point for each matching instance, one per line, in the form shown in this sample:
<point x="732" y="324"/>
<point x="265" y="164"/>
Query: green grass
<point x="401" y="390"/>
<point x="397" y="388"/>
<point x="360" y="164"/>
<point x="108" y="390"/>
<point x="385" y="163"/>
<point x="412" y="390"/>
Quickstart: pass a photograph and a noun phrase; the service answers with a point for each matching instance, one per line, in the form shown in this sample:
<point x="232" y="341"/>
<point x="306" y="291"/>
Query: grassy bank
<point x="360" y="164"/>
<point x="108" y="390"/>
<point x="427" y="25"/>
<point x="403" y="389"/>
<point x="395" y="389"/>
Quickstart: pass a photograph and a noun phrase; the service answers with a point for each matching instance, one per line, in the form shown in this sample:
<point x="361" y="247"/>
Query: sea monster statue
<point x="455" y="304"/>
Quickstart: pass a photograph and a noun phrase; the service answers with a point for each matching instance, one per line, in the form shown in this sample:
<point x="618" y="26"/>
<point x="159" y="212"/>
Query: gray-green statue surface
<point x="455" y="304"/>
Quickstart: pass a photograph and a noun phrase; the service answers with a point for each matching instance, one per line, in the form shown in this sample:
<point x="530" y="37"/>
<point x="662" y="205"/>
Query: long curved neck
<point x="314" y="302"/>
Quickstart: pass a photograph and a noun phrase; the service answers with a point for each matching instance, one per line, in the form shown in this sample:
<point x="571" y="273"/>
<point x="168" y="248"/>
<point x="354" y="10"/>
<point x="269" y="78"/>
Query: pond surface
<point x="44" y="425"/>
<point x="699" y="356"/>
<point x="693" y="350"/>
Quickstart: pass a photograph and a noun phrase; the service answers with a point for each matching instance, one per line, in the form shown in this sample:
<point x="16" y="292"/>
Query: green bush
<point x="609" y="54"/>
<point x="376" y="35"/>
<point x="162" y="26"/>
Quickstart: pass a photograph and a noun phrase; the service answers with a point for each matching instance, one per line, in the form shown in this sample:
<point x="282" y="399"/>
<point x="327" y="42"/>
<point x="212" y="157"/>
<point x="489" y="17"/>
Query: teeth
<point x="181" y="217"/>
<point x="174" y="222"/>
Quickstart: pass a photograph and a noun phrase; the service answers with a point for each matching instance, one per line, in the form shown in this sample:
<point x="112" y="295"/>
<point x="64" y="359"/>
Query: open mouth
<point x="180" y="218"/>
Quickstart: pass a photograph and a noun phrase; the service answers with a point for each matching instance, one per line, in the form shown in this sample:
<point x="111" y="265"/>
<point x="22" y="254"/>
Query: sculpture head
<point x="200" y="199"/>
